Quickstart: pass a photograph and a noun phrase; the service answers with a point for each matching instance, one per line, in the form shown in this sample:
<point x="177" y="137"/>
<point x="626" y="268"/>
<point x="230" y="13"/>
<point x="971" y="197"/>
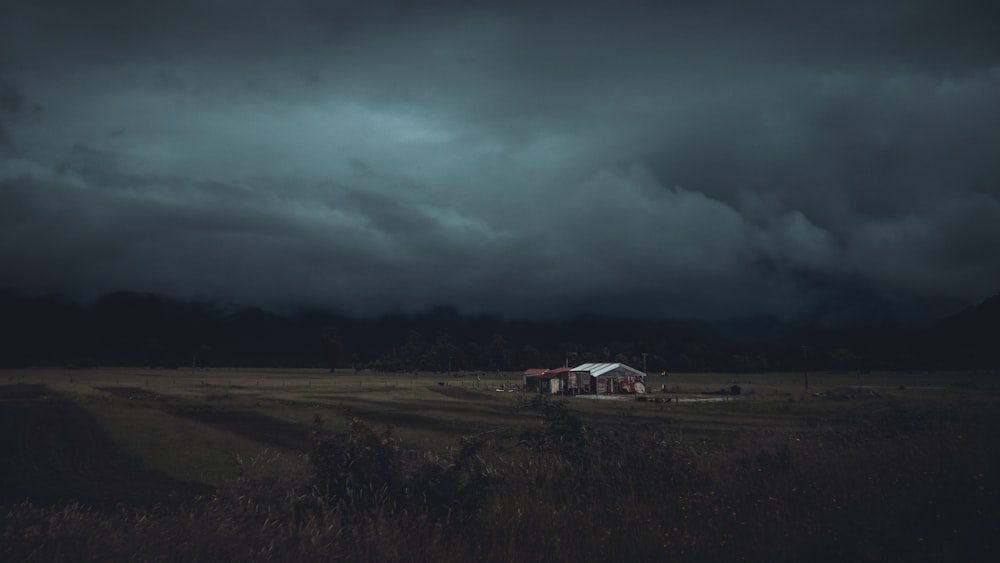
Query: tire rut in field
<point x="248" y="424"/>
<point x="255" y="426"/>
<point x="52" y="450"/>
<point x="135" y="393"/>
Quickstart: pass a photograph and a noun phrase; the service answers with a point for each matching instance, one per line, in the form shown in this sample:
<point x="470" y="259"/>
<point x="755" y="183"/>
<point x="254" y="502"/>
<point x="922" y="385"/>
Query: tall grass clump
<point x="363" y="470"/>
<point x="897" y="485"/>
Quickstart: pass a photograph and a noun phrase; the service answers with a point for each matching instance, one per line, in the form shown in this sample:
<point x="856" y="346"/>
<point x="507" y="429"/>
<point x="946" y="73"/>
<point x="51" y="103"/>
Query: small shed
<point x="608" y="378"/>
<point x="532" y="379"/>
<point x="559" y="381"/>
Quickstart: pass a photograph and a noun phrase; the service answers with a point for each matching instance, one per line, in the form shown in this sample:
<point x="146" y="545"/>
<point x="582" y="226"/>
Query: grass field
<point x="876" y="466"/>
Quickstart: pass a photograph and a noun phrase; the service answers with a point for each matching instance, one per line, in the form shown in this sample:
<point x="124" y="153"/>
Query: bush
<point x="891" y="488"/>
<point x="368" y="470"/>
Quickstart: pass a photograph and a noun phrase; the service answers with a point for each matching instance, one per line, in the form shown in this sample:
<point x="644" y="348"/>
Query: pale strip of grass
<point x="407" y="401"/>
<point x="820" y="381"/>
<point x="177" y="447"/>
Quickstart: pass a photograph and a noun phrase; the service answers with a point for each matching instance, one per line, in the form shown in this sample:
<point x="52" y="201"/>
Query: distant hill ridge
<point x="144" y="329"/>
<point x="981" y="319"/>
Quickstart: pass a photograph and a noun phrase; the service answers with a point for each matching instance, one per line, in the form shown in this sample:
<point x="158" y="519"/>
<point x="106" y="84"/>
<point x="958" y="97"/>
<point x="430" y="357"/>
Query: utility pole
<point x="805" y="366"/>
<point x="644" y="363"/>
<point x="859" y="372"/>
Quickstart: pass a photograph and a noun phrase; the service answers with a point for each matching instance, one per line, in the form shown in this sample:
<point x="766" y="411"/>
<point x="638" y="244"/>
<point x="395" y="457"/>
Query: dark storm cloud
<point x="13" y="108"/>
<point x="711" y="159"/>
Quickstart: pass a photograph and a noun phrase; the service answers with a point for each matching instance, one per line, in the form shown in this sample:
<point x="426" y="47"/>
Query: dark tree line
<point x="145" y="329"/>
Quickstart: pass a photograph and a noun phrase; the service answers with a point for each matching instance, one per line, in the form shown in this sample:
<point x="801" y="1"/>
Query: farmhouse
<point x="607" y="378"/>
<point x="592" y="378"/>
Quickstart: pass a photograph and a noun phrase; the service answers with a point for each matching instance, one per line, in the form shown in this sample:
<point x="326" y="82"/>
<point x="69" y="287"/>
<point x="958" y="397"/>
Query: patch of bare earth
<point x="459" y="393"/>
<point x="53" y="450"/>
<point x="255" y="426"/>
<point x="134" y="393"/>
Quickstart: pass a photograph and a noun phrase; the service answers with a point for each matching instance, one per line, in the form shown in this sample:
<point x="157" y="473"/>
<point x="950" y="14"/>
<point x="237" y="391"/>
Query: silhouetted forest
<point x="152" y="330"/>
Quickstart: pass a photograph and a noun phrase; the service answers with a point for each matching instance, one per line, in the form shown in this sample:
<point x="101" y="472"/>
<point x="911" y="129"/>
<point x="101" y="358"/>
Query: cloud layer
<point x="653" y="159"/>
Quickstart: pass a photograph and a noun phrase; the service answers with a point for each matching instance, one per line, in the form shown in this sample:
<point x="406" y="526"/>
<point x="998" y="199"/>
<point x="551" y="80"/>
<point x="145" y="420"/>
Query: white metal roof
<point x="597" y="369"/>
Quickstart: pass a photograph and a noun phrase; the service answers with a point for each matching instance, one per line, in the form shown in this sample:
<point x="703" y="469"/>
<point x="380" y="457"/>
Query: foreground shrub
<point x="366" y="470"/>
<point x="890" y="488"/>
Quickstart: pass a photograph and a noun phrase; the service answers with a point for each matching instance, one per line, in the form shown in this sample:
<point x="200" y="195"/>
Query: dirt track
<point x="256" y="426"/>
<point x="459" y="392"/>
<point x="134" y="393"/>
<point x="51" y="449"/>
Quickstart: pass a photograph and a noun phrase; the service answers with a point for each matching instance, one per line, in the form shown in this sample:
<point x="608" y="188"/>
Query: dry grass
<point x="884" y="474"/>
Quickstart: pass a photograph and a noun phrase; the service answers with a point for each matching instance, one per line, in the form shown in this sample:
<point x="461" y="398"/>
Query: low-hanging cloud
<point x="644" y="160"/>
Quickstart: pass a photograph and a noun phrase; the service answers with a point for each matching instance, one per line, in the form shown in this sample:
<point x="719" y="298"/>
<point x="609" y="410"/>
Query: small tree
<point x="331" y="342"/>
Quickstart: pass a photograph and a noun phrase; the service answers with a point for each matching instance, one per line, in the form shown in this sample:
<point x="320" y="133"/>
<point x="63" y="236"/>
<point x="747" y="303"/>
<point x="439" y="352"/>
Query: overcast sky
<point x="705" y="160"/>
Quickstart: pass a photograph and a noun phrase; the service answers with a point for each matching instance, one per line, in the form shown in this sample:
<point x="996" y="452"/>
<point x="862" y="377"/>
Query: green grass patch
<point x="177" y="447"/>
<point x="900" y="468"/>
